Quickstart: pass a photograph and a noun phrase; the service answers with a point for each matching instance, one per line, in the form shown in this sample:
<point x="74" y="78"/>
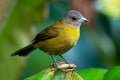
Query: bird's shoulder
<point x="50" y="32"/>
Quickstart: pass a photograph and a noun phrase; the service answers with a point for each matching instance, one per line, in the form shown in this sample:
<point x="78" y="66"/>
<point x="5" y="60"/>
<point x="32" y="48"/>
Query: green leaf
<point x="44" y="75"/>
<point x="67" y="76"/>
<point x="112" y="74"/>
<point x="92" y="74"/>
<point x="54" y="74"/>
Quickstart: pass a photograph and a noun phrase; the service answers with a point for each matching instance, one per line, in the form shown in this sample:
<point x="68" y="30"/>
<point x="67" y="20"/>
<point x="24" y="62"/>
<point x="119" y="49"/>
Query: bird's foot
<point x="65" y="67"/>
<point x="65" y="60"/>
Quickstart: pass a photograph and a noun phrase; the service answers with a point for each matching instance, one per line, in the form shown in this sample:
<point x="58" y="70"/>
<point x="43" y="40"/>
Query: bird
<point x="57" y="38"/>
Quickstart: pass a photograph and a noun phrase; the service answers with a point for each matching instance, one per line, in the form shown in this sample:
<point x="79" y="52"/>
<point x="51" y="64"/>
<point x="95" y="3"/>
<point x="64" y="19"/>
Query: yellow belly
<point x="67" y="38"/>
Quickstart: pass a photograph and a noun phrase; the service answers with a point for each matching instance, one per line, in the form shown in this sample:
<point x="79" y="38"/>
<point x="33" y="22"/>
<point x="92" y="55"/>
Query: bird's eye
<point x="74" y="18"/>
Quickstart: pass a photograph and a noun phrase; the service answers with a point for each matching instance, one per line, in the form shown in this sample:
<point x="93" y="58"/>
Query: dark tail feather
<point x="24" y="51"/>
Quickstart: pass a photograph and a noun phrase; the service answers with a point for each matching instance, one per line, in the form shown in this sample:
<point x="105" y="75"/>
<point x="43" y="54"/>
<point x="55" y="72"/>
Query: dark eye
<point x="74" y="18"/>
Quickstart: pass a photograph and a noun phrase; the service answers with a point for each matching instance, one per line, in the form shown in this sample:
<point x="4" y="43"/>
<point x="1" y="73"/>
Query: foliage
<point x="92" y="74"/>
<point x="49" y="74"/>
<point x="88" y="74"/>
<point x="100" y="74"/>
<point x="15" y="33"/>
<point x="112" y="74"/>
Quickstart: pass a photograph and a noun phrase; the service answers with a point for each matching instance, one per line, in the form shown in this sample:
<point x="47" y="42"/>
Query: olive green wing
<point x="48" y="33"/>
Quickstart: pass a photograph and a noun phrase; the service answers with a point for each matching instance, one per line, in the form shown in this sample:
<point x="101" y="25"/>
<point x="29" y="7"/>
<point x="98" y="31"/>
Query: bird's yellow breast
<point x="66" y="39"/>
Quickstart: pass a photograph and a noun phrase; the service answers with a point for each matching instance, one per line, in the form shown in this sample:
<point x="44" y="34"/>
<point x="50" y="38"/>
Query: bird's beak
<point x="82" y="19"/>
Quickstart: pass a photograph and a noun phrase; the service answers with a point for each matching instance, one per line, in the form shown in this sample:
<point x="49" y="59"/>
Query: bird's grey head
<point x="74" y="19"/>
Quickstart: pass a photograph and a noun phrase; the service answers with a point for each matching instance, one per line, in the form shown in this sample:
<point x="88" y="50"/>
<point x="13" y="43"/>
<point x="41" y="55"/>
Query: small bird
<point x="57" y="38"/>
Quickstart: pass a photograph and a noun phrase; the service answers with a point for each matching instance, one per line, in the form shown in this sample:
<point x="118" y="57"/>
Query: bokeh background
<point x="21" y="20"/>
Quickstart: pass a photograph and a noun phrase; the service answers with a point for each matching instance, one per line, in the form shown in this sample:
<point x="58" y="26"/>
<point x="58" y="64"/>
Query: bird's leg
<point x="54" y="61"/>
<point x="64" y="59"/>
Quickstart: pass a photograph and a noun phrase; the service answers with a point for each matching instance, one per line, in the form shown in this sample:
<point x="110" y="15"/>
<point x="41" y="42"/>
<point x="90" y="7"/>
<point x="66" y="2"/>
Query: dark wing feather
<point x="48" y="33"/>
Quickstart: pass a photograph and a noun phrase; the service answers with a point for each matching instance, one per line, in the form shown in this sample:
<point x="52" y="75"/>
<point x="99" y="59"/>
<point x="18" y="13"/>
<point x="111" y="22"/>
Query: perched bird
<point x="57" y="38"/>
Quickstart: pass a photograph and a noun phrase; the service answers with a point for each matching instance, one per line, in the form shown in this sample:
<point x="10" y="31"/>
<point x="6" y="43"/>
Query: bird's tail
<point x="24" y="51"/>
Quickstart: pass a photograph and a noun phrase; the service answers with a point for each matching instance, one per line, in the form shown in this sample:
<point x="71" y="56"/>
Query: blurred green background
<point x="21" y="20"/>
